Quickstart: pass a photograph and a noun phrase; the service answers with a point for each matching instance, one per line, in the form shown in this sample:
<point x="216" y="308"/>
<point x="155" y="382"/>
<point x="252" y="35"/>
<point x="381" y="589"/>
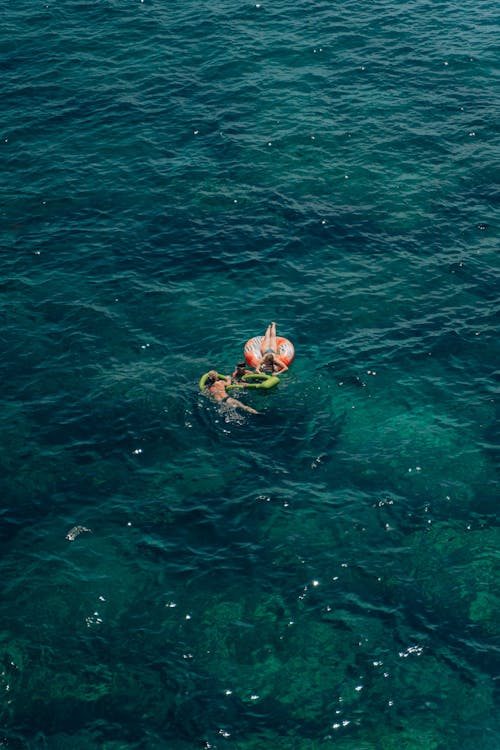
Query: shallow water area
<point x="177" y="573"/>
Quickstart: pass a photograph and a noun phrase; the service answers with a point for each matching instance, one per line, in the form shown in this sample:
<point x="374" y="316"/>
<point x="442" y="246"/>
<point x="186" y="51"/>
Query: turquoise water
<point x="182" y="575"/>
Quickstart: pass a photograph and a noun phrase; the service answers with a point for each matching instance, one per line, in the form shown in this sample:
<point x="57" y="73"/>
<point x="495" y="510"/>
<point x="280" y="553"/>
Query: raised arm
<point x="280" y="364"/>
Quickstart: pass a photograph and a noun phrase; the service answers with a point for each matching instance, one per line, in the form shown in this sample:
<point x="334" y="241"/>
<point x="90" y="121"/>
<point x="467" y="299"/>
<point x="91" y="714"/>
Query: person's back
<point x="216" y="387"/>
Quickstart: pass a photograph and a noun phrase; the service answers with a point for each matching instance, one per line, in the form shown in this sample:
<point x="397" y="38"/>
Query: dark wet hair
<point x="241" y="364"/>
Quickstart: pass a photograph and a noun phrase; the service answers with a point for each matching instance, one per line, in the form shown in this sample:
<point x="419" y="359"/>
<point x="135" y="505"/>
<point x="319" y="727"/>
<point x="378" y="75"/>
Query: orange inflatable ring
<point x="252" y="352"/>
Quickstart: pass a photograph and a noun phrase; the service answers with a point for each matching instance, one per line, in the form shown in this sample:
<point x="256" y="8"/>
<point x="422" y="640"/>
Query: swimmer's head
<point x="211" y="378"/>
<point x="241" y="366"/>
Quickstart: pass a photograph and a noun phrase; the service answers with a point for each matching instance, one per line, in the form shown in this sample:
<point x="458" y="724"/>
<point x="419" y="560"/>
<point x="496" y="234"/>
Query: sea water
<point x="178" y="574"/>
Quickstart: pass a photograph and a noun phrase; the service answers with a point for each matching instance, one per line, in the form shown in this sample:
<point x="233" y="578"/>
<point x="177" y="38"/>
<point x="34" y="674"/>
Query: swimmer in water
<point x="270" y="362"/>
<point x="217" y="389"/>
<point x="240" y="371"/>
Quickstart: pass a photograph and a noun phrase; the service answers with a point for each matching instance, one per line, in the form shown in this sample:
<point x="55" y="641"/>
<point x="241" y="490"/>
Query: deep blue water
<point x="181" y="575"/>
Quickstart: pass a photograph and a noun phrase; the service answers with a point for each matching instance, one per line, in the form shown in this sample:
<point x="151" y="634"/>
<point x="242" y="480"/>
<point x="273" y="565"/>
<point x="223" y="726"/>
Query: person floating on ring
<point x="217" y="388"/>
<point x="270" y="361"/>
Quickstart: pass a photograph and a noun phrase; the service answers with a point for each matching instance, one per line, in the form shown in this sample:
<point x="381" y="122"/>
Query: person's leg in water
<point x="234" y="402"/>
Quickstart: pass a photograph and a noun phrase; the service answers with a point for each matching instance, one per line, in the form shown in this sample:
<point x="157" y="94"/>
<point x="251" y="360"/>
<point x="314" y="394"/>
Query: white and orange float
<point x="285" y="350"/>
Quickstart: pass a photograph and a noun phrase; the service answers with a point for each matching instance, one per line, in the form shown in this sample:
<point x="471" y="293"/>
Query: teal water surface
<point x="178" y="574"/>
